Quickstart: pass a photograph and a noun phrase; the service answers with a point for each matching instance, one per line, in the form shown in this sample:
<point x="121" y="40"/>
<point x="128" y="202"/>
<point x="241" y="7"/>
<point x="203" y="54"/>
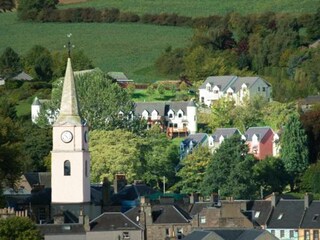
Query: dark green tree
<point x="9" y="63"/>
<point x="19" y="228"/>
<point x="310" y="179"/>
<point x="294" y="149"/>
<point x="7" y="5"/>
<point x="38" y="62"/>
<point x="271" y="175"/>
<point x="29" y="9"/>
<point x="229" y="172"/>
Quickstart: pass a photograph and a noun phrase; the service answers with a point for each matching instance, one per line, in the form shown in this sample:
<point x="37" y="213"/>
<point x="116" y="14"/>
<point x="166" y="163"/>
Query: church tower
<point x="70" y="162"/>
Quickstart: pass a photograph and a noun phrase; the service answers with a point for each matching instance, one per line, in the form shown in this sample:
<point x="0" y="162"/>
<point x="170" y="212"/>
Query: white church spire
<point x="69" y="111"/>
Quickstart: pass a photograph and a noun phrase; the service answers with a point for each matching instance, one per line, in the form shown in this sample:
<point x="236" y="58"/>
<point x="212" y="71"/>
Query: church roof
<point x="69" y="111"/>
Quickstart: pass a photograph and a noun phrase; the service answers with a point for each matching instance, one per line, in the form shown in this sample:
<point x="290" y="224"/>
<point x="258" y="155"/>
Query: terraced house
<point x="234" y="88"/>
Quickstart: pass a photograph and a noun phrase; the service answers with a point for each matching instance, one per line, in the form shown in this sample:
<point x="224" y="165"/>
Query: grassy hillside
<point x="131" y="48"/>
<point x="204" y="7"/>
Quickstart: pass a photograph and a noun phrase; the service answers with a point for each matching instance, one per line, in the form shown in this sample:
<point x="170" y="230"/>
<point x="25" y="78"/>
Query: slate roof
<point x="198" y="206"/>
<point x="132" y="192"/>
<point x="109" y="221"/>
<point x="228" y="234"/>
<point x="161" y="107"/>
<point x="259" y="131"/>
<point x="223" y="82"/>
<point x="62" y="229"/>
<point x="263" y="207"/>
<point x="225" y="132"/>
<point x="169" y="214"/>
<point x="249" y="81"/>
<point x="119" y="76"/>
<point x="42" y="178"/>
<point x="311" y="218"/>
<point x="22" y="76"/>
<point x="310" y="100"/>
<point x="292" y="212"/>
<point x="195" y="138"/>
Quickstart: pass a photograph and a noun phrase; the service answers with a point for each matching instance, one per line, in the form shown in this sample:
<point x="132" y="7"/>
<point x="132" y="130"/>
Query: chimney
<point x="274" y="199"/>
<point x="307" y="200"/>
<point x="142" y="200"/>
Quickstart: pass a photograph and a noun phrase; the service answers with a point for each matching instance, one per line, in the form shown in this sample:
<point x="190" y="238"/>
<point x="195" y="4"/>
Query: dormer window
<point x="208" y="87"/>
<point x="180" y="114"/>
<point x="145" y="114"/>
<point x="154" y="115"/>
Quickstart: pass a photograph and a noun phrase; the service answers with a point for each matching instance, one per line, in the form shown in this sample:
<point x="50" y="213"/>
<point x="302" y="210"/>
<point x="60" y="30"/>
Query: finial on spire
<point x="69" y="45"/>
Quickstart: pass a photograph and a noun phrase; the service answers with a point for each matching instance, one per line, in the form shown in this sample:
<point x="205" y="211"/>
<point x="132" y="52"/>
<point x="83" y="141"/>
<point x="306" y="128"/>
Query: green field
<point x="204" y="7"/>
<point x="129" y="48"/>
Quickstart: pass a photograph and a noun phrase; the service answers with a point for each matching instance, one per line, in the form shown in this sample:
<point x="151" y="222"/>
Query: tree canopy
<point x="19" y="228"/>
<point x="10" y="63"/>
<point x="229" y="171"/>
<point x="294" y="148"/>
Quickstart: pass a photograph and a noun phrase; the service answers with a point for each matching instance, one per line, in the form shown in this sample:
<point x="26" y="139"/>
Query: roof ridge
<point x="180" y="213"/>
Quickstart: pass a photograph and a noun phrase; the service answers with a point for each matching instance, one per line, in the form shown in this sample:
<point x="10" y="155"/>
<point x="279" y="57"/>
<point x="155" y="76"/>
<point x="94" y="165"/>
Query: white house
<point x="233" y="87"/>
<point x="219" y="135"/>
<point x="174" y="117"/>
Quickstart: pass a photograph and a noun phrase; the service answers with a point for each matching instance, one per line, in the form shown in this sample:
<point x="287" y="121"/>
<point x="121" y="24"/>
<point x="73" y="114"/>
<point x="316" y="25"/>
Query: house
<point x="192" y="142"/>
<point x="234" y="88"/>
<point x="219" y="135"/>
<point x="22" y="76"/>
<point x="120" y="78"/>
<point x="230" y="234"/>
<point x="174" y="117"/>
<point x="262" y="142"/>
<point x="307" y="103"/>
<point x="285" y="219"/>
<point x="163" y="221"/>
<point x="310" y="224"/>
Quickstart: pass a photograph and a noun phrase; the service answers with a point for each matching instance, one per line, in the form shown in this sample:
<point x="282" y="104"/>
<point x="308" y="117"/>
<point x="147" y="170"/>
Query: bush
<point x="129" y="17"/>
<point x="110" y="15"/>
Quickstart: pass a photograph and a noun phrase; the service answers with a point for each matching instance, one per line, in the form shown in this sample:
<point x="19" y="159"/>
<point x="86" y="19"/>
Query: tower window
<point x="67" y="168"/>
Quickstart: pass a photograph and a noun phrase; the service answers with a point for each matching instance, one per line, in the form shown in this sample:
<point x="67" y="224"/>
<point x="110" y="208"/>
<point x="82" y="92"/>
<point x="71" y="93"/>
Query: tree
<point x="229" y="171"/>
<point x="222" y="114"/>
<point x="159" y="158"/>
<point x="193" y="170"/>
<point x="38" y="62"/>
<point x="7" y="5"/>
<point x="310" y="179"/>
<point x="271" y="175"/>
<point x="294" y="149"/>
<point x="9" y="63"/>
<point x="114" y="152"/>
<point x="18" y="228"/>
<point x="100" y="100"/>
<point x="29" y="9"/>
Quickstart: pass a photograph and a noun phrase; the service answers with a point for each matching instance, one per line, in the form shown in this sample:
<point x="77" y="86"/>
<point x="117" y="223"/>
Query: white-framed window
<point x="125" y="235"/>
<point x="203" y="219"/>
<point x="282" y="233"/>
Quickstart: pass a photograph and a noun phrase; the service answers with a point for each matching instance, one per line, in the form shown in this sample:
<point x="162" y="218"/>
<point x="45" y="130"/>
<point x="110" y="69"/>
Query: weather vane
<point x="69" y="45"/>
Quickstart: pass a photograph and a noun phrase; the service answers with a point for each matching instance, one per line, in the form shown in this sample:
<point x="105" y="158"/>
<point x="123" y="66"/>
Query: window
<point x="180" y="115"/>
<point x="179" y="233"/>
<point x="306" y="235"/>
<point x="281" y="233"/>
<point x="167" y="232"/>
<point x="291" y="233"/>
<point x="258" y="89"/>
<point x="315" y="234"/>
<point x="86" y="168"/>
<point x="257" y="214"/>
<point x="215" y="91"/>
<point x="230" y="93"/>
<point x="67" y="168"/>
<point x="315" y="218"/>
<point x="263" y="89"/>
<point x="125" y="235"/>
<point x="175" y="125"/>
<point x="202" y="219"/>
<point x="170" y="115"/>
<point x="273" y="232"/>
<point x="280" y="216"/>
<point x="202" y="99"/>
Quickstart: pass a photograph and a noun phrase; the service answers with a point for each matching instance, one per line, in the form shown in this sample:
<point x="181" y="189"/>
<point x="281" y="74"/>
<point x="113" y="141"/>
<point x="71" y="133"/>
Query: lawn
<point x="143" y="96"/>
<point x="128" y="48"/>
<point x="203" y="7"/>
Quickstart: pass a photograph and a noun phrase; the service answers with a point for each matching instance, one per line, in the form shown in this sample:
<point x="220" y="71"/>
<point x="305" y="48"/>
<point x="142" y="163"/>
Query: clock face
<point x="66" y="136"/>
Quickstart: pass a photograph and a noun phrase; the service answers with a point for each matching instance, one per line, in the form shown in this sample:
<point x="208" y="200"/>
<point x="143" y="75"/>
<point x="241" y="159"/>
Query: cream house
<point x="233" y="87"/>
